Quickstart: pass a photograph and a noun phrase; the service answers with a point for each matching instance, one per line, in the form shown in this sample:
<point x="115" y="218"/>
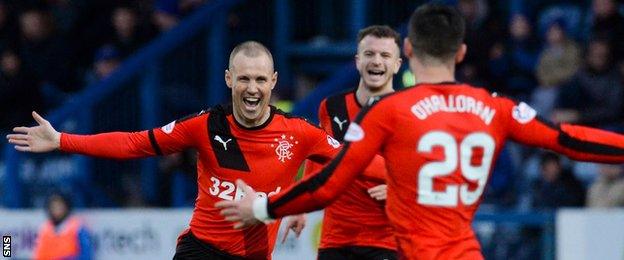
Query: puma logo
<point x="340" y="123"/>
<point x="224" y="143"/>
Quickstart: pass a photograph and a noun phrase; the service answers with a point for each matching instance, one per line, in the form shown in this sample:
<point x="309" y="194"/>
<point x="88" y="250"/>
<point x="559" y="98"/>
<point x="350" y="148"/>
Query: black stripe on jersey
<point x="576" y="144"/>
<point x="224" y="144"/>
<point x="588" y="147"/>
<point x="336" y="107"/>
<point x="152" y="138"/>
<point x="192" y="116"/>
<point x="291" y="116"/>
<point x="312" y="184"/>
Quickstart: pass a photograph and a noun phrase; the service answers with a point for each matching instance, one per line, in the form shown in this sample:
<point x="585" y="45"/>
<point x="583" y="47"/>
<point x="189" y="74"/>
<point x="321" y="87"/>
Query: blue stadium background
<point x="95" y="66"/>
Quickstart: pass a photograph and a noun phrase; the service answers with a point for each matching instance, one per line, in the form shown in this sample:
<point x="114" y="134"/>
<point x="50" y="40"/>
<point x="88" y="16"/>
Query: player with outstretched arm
<point x="247" y="139"/>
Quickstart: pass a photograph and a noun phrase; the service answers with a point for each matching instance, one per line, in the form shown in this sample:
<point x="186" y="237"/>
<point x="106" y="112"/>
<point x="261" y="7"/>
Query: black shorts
<point x="189" y="247"/>
<point x="356" y="252"/>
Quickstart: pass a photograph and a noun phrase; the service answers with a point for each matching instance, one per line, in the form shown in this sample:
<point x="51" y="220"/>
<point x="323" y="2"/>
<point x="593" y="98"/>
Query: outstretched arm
<point x="116" y="145"/>
<point x="38" y="139"/>
<point x="577" y="142"/>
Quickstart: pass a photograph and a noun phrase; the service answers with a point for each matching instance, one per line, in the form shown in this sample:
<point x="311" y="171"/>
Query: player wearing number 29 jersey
<point x="440" y="140"/>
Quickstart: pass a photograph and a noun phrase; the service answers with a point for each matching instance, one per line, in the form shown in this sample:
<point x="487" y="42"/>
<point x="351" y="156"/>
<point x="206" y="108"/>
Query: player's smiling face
<point x="251" y="80"/>
<point x="377" y="60"/>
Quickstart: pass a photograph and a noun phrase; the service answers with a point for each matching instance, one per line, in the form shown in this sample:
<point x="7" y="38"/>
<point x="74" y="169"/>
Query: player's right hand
<point x="379" y="192"/>
<point x="38" y="139"/>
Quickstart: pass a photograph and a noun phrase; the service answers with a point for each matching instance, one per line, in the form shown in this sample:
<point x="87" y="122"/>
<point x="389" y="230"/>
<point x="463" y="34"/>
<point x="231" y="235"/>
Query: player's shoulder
<point x="338" y="97"/>
<point x="291" y="118"/>
<point x="342" y="94"/>
<point x="195" y="115"/>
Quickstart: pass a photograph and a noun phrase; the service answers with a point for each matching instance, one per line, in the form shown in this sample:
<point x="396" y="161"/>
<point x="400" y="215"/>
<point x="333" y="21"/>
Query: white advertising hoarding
<point x="590" y="234"/>
<point x="140" y="234"/>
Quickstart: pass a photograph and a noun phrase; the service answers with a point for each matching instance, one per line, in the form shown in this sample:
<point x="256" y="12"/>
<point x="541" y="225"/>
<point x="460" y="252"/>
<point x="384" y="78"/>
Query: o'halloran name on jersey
<point x="453" y="104"/>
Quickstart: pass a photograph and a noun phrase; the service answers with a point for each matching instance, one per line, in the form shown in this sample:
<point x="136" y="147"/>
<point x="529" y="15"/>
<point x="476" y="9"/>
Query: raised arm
<point x="171" y="138"/>
<point x="577" y="142"/>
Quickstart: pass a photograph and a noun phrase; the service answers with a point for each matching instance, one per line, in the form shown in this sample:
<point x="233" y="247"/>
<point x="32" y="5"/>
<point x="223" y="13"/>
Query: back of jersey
<point x="439" y="159"/>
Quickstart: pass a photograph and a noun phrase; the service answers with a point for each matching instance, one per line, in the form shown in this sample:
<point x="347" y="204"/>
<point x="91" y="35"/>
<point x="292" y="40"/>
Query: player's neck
<point x="363" y="93"/>
<point x="433" y="73"/>
<point x="266" y="113"/>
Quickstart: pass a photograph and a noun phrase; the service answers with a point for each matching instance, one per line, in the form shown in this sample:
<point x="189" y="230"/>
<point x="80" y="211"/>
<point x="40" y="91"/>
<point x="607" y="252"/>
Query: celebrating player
<point x="440" y="139"/>
<point x="248" y="139"/>
<point x="355" y="226"/>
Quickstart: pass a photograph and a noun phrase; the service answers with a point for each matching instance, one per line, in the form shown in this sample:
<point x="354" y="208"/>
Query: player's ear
<point x="273" y="79"/>
<point x="228" y="78"/>
<point x="407" y="48"/>
<point x="397" y="66"/>
<point x="461" y="53"/>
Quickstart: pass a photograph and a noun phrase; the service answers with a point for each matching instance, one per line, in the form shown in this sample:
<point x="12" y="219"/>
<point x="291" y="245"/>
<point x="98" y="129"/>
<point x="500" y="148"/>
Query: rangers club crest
<point x="282" y="148"/>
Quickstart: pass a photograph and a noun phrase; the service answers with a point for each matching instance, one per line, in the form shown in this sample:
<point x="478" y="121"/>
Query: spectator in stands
<point x="19" y="91"/>
<point x="557" y="186"/>
<point x="106" y="60"/>
<point x="482" y="30"/>
<point x="608" y="189"/>
<point x="62" y="236"/>
<point x="45" y="54"/>
<point x="127" y="36"/>
<point x="512" y="63"/>
<point x="557" y="63"/>
<point x="166" y="14"/>
<point x="608" y="23"/>
<point x="560" y="58"/>
<point x="594" y="95"/>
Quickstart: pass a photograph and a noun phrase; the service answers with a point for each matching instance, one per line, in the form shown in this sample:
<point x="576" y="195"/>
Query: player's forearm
<point x="590" y="144"/>
<point x="114" y="145"/>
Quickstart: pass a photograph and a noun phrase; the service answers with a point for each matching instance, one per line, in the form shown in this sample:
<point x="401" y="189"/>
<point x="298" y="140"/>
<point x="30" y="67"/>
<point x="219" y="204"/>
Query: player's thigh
<point x="190" y="248"/>
<point x="373" y="253"/>
<point x="332" y="254"/>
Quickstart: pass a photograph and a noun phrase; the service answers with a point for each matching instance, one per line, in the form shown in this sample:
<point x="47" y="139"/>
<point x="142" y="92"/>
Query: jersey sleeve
<point x="364" y="138"/>
<point x="171" y="138"/>
<point x="577" y="142"/>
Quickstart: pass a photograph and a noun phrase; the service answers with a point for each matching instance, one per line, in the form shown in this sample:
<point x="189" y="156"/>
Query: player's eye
<point x="386" y="55"/>
<point x="261" y="80"/>
<point x="243" y="79"/>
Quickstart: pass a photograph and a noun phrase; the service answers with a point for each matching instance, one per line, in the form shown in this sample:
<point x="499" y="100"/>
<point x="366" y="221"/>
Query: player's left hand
<point x="240" y="212"/>
<point x="378" y="192"/>
<point x="296" y="223"/>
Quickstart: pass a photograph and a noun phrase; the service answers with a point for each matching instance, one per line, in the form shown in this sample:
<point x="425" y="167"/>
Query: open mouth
<point x="376" y="73"/>
<point x="251" y="102"/>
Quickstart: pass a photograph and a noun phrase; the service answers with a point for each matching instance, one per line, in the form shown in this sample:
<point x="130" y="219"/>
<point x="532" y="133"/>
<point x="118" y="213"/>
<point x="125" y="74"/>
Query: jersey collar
<point x="230" y="111"/>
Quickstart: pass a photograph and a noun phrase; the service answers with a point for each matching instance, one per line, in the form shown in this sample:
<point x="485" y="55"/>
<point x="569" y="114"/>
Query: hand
<point x="296" y="223"/>
<point x="240" y="211"/>
<point x="38" y="139"/>
<point x="378" y="192"/>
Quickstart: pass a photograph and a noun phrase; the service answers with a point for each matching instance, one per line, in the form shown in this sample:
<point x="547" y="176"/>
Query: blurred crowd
<point x="564" y="58"/>
<point x="50" y="49"/>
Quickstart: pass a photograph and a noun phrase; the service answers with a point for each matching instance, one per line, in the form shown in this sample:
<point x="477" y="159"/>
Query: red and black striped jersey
<point x="355" y="219"/>
<point x="266" y="157"/>
<point x="440" y="142"/>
